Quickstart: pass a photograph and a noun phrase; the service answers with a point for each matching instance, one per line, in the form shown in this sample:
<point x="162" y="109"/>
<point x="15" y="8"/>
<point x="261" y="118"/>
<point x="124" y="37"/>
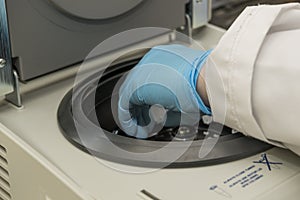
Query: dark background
<point x="226" y="11"/>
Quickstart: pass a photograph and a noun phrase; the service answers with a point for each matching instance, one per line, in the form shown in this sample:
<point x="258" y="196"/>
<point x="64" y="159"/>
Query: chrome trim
<point x="9" y="85"/>
<point x="6" y="74"/>
<point x="188" y="28"/>
<point x="15" y="97"/>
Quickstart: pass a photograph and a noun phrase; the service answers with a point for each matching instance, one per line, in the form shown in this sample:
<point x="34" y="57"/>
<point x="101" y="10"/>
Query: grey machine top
<point x="49" y="35"/>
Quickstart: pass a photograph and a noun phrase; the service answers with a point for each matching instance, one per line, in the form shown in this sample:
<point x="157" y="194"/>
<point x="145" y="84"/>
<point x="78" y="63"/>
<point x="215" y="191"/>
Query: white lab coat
<point x="257" y="69"/>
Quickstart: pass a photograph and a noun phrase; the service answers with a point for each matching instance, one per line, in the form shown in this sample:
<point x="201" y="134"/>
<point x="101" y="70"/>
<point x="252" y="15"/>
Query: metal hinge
<point x="187" y="28"/>
<point x="9" y="82"/>
<point x="198" y="13"/>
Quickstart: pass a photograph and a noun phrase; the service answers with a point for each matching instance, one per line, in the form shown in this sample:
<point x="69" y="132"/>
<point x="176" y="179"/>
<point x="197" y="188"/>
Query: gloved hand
<point x="165" y="77"/>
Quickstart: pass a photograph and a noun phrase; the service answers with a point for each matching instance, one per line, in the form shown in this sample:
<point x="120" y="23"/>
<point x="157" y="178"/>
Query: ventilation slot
<point x="4" y="175"/>
<point x="144" y="194"/>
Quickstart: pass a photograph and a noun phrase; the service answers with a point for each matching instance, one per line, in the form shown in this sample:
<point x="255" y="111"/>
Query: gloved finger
<point x="153" y="93"/>
<point x="129" y="124"/>
<point x="141" y="114"/>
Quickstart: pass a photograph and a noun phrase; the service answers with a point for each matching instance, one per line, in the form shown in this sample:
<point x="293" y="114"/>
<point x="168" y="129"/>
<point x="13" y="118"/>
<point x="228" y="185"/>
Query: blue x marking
<point x="264" y="160"/>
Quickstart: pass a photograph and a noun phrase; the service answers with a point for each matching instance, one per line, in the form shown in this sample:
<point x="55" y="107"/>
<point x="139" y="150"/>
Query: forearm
<point x="201" y="86"/>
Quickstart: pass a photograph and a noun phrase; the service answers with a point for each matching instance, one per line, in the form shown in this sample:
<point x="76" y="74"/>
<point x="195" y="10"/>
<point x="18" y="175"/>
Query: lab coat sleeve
<point x="253" y="75"/>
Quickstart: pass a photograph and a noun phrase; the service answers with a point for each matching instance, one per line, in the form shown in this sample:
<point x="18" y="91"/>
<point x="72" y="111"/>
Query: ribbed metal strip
<point x="4" y="175"/>
<point x="2" y="150"/>
<point x="5" y="184"/>
<point x="3" y="162"/>
<point x="2" y="154"/>
<point x="4" y="194"/>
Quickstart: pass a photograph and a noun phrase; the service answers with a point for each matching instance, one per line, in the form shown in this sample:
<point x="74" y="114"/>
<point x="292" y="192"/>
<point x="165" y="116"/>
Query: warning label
<point x="245" y="177"/>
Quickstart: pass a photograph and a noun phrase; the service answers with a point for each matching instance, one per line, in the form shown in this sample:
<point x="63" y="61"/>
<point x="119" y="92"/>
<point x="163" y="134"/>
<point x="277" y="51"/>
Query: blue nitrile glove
<point x="165" y="77"/>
